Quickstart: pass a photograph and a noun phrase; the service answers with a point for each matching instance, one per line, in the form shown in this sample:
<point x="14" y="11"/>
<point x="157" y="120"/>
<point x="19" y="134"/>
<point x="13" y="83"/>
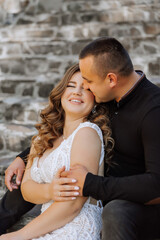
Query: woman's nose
<point x="77" y="91"/>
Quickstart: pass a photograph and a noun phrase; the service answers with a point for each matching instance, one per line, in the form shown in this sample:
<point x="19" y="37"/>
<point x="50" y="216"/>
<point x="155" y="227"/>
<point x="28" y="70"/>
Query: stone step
<point x="26" y="218"/>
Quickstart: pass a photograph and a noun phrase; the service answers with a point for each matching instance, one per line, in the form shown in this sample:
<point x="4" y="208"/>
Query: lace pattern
<point x="87" y="225"/>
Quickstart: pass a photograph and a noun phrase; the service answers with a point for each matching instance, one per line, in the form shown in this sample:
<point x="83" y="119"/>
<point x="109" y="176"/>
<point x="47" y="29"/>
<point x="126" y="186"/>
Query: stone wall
<point x="38" y="44"/>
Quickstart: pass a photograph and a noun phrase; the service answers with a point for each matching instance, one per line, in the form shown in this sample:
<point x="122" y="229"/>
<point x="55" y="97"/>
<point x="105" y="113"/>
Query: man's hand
<point x="62" y="188"/>
<point x="12" y="236"/>
<point x="15" y="168"/>
<point x="79" y="173"/>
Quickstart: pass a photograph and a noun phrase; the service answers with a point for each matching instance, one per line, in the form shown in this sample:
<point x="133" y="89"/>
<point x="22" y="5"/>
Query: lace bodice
<point x="45" y="172"/>
<point x="60" y="157"/>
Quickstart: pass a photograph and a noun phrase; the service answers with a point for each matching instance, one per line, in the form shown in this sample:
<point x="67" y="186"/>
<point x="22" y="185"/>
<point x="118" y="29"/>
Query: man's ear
<point x="112" y="77"/>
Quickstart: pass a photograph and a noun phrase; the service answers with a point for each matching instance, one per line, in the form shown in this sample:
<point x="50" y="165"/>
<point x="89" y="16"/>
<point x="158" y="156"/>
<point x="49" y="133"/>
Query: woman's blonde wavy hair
<point x="52" y="120"/>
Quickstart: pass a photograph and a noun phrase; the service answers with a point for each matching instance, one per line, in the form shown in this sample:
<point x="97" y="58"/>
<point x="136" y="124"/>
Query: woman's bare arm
<point x="86" y="150"/>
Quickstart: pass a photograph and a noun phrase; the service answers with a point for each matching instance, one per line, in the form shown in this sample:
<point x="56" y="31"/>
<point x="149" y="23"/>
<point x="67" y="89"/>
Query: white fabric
<point x="87" y="225"/>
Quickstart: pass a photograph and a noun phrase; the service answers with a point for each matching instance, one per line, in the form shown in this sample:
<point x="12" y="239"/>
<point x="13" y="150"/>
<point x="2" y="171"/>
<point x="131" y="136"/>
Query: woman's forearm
<point x="37" y="193"/>
<point x="56" y="216"/>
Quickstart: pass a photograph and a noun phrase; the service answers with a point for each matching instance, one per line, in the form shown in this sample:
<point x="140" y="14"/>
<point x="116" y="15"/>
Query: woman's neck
<point x="70" y="125"/>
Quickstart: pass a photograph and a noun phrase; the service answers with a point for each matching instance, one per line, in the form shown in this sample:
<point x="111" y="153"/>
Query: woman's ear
<point x="112" y="77"/>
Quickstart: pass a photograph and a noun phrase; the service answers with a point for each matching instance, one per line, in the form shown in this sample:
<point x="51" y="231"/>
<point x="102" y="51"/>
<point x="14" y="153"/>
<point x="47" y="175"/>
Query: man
<point x="131" y="186"/>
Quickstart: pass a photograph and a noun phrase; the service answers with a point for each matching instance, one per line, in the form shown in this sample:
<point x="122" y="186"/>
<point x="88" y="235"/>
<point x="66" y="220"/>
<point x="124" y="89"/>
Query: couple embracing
<point x="102" y="115"/>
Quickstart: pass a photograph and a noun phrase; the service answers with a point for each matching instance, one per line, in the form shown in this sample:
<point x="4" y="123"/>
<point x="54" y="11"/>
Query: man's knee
<point x="12" y="207"/>
<point x="115" y="211"/>
<point x="118" y="220"/>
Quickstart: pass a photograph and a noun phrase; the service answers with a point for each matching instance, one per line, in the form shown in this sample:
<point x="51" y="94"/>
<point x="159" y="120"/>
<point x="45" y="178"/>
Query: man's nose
<point x="85" y="85"/>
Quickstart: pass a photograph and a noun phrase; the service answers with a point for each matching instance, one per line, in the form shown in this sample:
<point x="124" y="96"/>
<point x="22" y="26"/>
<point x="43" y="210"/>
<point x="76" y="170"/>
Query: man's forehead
<point x="87" y="60"/>
<point x="86" y="68"/>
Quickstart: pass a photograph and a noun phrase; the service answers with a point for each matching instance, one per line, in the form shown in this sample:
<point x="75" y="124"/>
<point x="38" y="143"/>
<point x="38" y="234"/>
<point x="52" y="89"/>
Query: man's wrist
<point x="86" y="185"/>
<point x="23" y="155"/>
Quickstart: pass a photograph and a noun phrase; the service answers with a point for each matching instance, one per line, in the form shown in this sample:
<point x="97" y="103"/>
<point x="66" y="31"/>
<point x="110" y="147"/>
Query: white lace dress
<point x="87" y="225"/>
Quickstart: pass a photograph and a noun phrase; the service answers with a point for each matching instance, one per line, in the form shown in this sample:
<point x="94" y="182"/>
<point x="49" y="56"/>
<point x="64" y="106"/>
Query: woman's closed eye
<point x="71" y="86"/>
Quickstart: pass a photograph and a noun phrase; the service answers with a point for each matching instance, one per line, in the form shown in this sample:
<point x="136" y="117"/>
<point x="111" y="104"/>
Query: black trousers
<point x="12" y="207"/>
<point x="124" y="220"/>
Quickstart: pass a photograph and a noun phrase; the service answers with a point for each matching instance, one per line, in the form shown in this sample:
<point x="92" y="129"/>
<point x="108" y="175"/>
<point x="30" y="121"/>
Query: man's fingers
<point x="14" y="186"/>
<point x="59" y="172"/>
<point x="69" y="194"/>
<point x="68" y="188"/>
<point x="62" y="181"/>
<point x="19" y="176"/>
<point x="65" y="174"/>
<point x="62" y="199"/>
<point x="8" y="177"/>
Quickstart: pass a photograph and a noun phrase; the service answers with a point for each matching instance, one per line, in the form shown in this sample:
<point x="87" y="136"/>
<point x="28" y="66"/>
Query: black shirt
<point x="135" y="122"/>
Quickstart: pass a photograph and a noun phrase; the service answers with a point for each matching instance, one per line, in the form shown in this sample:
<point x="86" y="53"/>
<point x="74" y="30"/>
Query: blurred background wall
<point x="40" y="39"/>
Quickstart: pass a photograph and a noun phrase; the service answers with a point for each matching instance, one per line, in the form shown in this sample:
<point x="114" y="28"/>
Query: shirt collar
<point x="131" y="91"/>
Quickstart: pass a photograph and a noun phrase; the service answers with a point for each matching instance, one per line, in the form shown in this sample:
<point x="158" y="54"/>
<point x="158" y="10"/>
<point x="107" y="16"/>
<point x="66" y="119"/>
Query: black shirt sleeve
<point x="24" y="154"/>
<point x="138" y="188"/>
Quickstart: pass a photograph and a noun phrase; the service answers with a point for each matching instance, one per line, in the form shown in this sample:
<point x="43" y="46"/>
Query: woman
<point x="67" y="135"/>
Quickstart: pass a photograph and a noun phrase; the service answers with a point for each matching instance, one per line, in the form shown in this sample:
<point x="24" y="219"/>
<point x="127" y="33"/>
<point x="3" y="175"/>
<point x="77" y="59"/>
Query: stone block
<point x="36" y="66"/>
<point x="34" y="8"/>
<point x="13" y="49"/>
<point x="151" y="28"/>
<point x="74" y="7"/>
<point x="33" y="116"/>
<point x="121" y="31"/>
<point x="1" y="143"/>
<point x="149" y="49"/>
<point x="154" y="67"/>
<point x="45" y="89"/>
<point x="28" y="91"/>
<point x="74" y="19"/>
<point x="78" y="45"/>
<point x="49" y="5"/>
<point x="8" y="87"/>
<point x="65" y="19"/>
<point x="23" y="21"/>
<point x="17" y="67"/>
<point x="135" y="31"/>
<point x="51" y="20"/>
<point x="4" y="67"/>
<point x="57" y="48"/>
<point x="41" y="33"/>
<point x="103" y="32"/>
<point x="90" y="17"/>
<point x="54" y="64"/>
<point x="17" y="137"/>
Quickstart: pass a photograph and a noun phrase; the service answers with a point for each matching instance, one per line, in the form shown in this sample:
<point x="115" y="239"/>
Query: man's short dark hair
<point x="109" y="56"/>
